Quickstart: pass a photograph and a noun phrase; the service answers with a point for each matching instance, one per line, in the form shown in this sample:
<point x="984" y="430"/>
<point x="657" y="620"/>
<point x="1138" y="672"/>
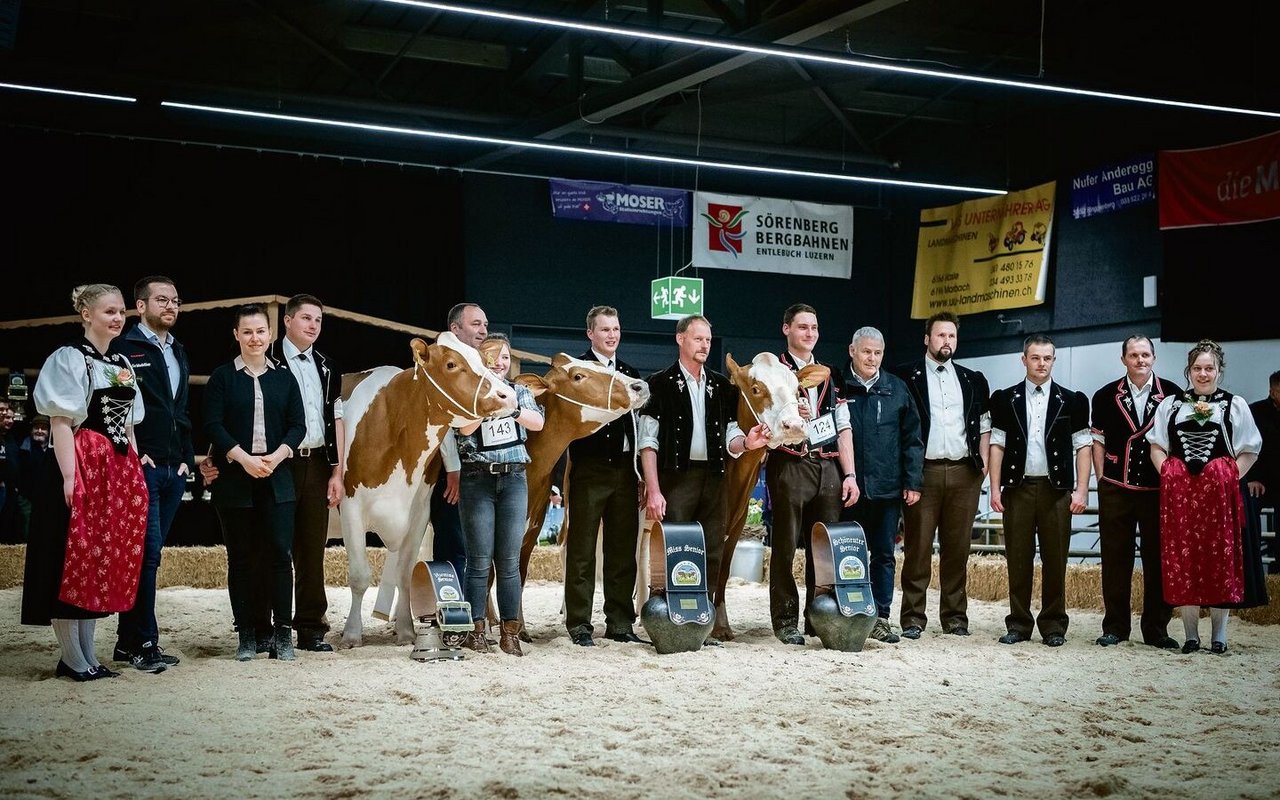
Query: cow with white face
<point x="395" y="419"/>
<point x="579" y="398"/>
<point x="769" y="393"/>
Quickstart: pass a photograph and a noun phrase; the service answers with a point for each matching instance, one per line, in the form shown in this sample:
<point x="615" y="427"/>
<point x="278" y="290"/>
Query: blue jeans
<point x="879" y="520"/>
<point x="137" y="626"/>
<point x="493" y="509"/>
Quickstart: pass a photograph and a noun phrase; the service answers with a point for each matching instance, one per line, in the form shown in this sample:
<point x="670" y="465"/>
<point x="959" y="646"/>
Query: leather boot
<point x="283" y="649"/>
<point x="509" y="639"/>
<point x="474" y="640"/>
<point x="248" y="646"/>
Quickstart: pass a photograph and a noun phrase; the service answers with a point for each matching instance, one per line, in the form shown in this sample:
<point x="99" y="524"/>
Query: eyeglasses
<point x="161" y="300"/>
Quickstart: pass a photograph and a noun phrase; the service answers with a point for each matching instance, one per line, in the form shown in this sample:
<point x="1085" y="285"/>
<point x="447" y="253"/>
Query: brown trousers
<point x="948" y="504"/>
<point x="1037" y="510"/>
<point x="803" y="491"/>
<point x="1122" y="514"/>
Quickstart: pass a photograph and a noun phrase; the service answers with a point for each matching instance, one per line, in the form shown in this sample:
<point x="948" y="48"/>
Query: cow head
<point x="601" y="395"/>
<point x="772" y="390"/>
<point x="464" y="387"/>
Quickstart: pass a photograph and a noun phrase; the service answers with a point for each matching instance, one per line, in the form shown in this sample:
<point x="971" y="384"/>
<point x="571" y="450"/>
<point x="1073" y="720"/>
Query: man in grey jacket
<point x="890" y="455"/>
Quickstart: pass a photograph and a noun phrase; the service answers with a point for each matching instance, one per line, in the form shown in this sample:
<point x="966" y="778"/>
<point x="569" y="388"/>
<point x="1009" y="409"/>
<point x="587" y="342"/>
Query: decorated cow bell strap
<point x="840" y="560"/>
<point x="435" y="595"/>
<point x="678" y="566"/>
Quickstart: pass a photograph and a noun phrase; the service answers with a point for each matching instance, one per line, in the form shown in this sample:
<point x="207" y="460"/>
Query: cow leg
<point x="387" y="588"/>
<point x="359" y="573"/>
<point x="407" y="552"/>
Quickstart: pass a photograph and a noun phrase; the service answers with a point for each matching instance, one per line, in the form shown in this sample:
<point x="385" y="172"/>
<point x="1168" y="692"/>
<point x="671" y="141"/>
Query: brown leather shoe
<point x="509" y="638"/>
<point x="474" y="640"/>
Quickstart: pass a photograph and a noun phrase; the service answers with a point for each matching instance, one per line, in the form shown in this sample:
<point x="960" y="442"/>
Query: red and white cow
<point x="768" y="392"/>
<point x="395" y="419"/>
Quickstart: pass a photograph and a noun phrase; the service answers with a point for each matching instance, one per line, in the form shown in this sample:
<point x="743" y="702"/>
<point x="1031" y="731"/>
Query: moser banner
<point x="616" y="202"/>
<point x="1113" y="187"/>
<point x="984" y="254"/>
<point x="763" y="234"/>
<point x="1226" y="185"/>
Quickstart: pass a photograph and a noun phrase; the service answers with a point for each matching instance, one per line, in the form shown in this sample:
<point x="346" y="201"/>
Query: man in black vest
<point x="1129" y="495"/>
<point x="687" y="430"/>
<point x="164" y="446"/>
<point x="602" y="488"/>
<point x="1040" y="456"/>
<point x="317" y="466"/>
<point x="807" y="482"/>
<point x="956" y="429"/>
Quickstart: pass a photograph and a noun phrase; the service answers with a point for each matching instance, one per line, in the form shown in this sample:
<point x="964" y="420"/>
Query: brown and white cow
<point x="768" y="392"/>
<point x="395" y="419"/>
<point x="578" y="398"/>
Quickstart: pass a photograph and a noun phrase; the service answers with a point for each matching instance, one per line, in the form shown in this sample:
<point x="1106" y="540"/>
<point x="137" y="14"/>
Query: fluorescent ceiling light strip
<point x="821" y="58"/>
<point x="584" y="151"/>
<point x="49" y="90"/>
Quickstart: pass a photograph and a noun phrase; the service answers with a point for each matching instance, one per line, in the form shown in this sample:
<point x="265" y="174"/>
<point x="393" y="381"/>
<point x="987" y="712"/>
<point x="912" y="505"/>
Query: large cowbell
<point x="678" y="615"/>
<point x="440" y="616"/>
<point x="843" y="610"/>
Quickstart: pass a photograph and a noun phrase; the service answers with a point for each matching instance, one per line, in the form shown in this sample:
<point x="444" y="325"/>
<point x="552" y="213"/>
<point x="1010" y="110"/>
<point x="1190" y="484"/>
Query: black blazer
<point x="670" y="405"/>
<point x="1067" y="412"/>
<point x="615" y="442"/>
<point x="1127" y="459"/>
<point x="165" y="431"/>
<point x="330" y="383"/>
<point x="973" y="391"/>
<point x="228" y="421"/>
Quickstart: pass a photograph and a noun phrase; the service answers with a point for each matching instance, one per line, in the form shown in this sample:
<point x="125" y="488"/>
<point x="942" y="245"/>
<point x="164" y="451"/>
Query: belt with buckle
<point x="495" y="468"/>
<point x="308" y="452"/>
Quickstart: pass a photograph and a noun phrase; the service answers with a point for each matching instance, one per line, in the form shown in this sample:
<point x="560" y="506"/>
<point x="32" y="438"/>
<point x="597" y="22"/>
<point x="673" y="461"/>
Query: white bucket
<point x="748" y="561"/>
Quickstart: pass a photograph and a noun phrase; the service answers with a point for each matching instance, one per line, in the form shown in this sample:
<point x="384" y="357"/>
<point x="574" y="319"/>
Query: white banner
<point x="763" y="234"/>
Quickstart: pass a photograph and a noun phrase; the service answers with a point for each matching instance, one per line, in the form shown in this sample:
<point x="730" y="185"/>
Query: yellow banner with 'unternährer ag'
<point x="984" y="255"/>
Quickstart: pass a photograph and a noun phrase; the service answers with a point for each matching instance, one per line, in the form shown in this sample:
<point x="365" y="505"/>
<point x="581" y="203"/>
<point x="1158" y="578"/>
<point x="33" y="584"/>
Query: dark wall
<point x="540" y="275"/>
<point x="379" y="240"/>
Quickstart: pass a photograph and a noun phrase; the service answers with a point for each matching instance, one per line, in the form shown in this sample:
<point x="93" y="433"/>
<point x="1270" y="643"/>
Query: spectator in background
<point x="28" y="465"/>
<point x="554" y="520"/>
<point x="1264" y="478"/>
<point x="10" y="516"/>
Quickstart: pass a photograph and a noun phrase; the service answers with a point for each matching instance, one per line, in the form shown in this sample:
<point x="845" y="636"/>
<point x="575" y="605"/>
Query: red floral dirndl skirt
<point x="108" y="527"/>
<point x="1201" y="519"/>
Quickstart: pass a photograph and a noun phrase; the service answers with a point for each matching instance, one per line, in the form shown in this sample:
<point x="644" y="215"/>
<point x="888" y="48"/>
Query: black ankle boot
<point x="248" y="646"/>
<point x="283" y="642"/>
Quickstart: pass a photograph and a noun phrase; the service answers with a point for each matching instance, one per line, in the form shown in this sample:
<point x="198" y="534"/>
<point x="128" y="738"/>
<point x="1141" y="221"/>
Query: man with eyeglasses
<point x="164" y="446"/>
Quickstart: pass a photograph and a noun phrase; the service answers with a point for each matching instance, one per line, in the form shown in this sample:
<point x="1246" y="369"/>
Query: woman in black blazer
<point x="254" y="419"/>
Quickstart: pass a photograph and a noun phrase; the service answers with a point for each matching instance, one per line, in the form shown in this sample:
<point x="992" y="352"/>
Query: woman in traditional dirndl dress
<point x="1203" y="441"/>
<point x="89" y="514"/>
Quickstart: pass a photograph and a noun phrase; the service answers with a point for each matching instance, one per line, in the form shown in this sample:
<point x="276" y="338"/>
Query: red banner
<point x="1225" y="185"/>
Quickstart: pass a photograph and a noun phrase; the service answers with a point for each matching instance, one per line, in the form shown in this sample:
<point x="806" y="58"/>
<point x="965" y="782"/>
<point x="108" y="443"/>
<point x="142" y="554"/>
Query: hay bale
<point x="206" y="568"/>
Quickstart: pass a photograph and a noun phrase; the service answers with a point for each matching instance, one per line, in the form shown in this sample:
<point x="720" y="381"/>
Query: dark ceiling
<point x="397" y="65"/>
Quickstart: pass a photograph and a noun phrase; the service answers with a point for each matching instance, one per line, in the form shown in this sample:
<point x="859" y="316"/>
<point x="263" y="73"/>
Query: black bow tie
<point x="940" y="368"/>
<point x="303" y="357"/>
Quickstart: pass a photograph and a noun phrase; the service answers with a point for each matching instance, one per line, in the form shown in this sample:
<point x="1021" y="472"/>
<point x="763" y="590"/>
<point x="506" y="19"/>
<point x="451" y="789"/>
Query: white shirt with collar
<point x="1037" y="408"/>
<point x="166" y="351"/>
<point x="648" y="426"/>
<point x="1139" y="396"/>
<point x="307" y="375"/>
<point x="948" y="436"/>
